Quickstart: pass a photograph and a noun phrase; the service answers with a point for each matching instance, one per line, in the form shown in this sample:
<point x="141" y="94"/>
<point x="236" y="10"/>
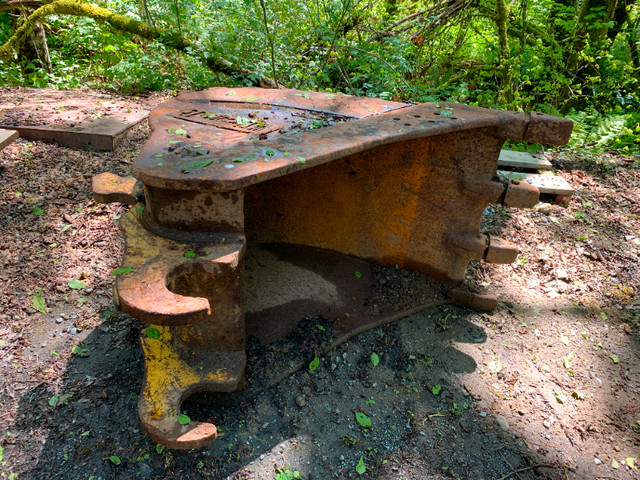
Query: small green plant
<point x="315" y="363"/>
<point x="458" y="410"/>
<point x="286" y="474"/>
<point x="521" y="261"/>
<point x="348" y="441"/>
<point x="436" y="389"/>
<point x="79" y="351"/>
<point x="442" y="324"/>
<point x="428" y="361"/>
<point x="375" y="360"/>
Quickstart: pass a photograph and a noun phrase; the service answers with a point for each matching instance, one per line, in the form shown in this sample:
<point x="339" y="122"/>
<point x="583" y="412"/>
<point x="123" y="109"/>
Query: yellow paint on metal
<point x="168" y="373"/>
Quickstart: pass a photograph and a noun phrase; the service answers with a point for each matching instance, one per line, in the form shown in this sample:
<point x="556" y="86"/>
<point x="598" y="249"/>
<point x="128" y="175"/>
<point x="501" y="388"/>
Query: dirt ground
<point x="545" y="386"/>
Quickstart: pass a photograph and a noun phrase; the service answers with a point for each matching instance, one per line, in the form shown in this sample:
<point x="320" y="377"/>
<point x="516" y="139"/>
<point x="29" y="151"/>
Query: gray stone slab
<point x="509" y="158"/>
<point x="6" y="137"/>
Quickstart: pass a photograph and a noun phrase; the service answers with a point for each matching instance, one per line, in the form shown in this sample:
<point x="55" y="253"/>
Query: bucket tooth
<point x="501" y="251"/>
<point x="172" y="373"/>
<point x="490" y="190"/>
<point x="521" y="194"/>
<point x="470" y="245"/>
<point x="110" y="188"/>
<point x="474" y="301"/>
<point x="543" y="128"/>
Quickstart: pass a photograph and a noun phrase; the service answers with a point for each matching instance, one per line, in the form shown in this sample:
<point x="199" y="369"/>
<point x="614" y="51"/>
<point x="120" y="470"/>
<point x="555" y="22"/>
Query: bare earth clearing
<point x="546" y="386"/>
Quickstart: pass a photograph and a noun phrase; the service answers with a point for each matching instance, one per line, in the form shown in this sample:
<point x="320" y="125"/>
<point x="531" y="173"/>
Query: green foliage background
<point x="579" y="59"/>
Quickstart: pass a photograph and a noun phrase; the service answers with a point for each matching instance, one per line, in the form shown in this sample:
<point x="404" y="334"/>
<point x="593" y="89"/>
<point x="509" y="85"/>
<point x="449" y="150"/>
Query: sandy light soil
<point x="546" y="386"/>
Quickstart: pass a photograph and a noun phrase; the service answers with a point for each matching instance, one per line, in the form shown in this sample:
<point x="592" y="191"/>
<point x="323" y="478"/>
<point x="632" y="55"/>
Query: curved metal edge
<point x="153" y="262"/>
<point x="172" y="373"/>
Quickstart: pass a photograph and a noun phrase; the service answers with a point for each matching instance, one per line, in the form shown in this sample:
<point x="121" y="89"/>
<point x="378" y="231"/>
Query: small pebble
<point x="547" y="424"/>
<point x="73" y="331"/>
<point x="597" y="461"/>
<point x="301" y="400"/>
<point x="483" y="414"/>
<point x="145" y="470"/>
<point x="544" y="208"/>
<point x="59" y="320"/>
<point x="502" y="423"/>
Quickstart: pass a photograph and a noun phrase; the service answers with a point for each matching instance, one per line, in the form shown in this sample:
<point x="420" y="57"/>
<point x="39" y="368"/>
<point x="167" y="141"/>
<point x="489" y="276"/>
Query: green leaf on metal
<point x="122" y="271"/>
<point x="184" y="419"/>
<point x="187" y="167"/>
<point x="152" y="332"/>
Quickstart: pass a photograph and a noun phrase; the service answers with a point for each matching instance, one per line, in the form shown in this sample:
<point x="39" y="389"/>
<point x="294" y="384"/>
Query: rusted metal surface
<point x="396" y="184"/>
<point x="110" y="188"/>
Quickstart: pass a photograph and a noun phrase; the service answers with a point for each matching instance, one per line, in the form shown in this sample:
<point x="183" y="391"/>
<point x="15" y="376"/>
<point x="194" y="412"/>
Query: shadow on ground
<point x="423" y="424"/>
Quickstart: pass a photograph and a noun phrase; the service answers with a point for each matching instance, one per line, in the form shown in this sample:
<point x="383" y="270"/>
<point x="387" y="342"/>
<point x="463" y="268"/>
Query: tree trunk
<point x="506" y="77"/>
<point x="36" y="47"/>
<point x="591" y="30"/>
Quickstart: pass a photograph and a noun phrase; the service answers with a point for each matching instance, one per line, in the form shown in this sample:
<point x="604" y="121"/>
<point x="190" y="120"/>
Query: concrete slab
<point x="99" y="134"/>
<point x="509" y="158"/>
<point x="71" y="118"/>
<point x="6" y="137"/>
<point x="547" y="182"/>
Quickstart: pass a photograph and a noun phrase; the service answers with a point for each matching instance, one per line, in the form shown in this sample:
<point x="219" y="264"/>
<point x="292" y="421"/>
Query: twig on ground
<point x="513" y="471"/>
<point x="531" y="467"/>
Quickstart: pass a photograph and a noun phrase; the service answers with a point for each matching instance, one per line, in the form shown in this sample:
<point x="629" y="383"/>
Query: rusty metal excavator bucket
<point x="390" y="183"/>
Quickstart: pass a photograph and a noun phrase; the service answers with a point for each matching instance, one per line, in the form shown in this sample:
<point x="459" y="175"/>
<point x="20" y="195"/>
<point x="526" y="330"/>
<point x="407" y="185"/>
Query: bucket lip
<point x="225" y="160"/>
